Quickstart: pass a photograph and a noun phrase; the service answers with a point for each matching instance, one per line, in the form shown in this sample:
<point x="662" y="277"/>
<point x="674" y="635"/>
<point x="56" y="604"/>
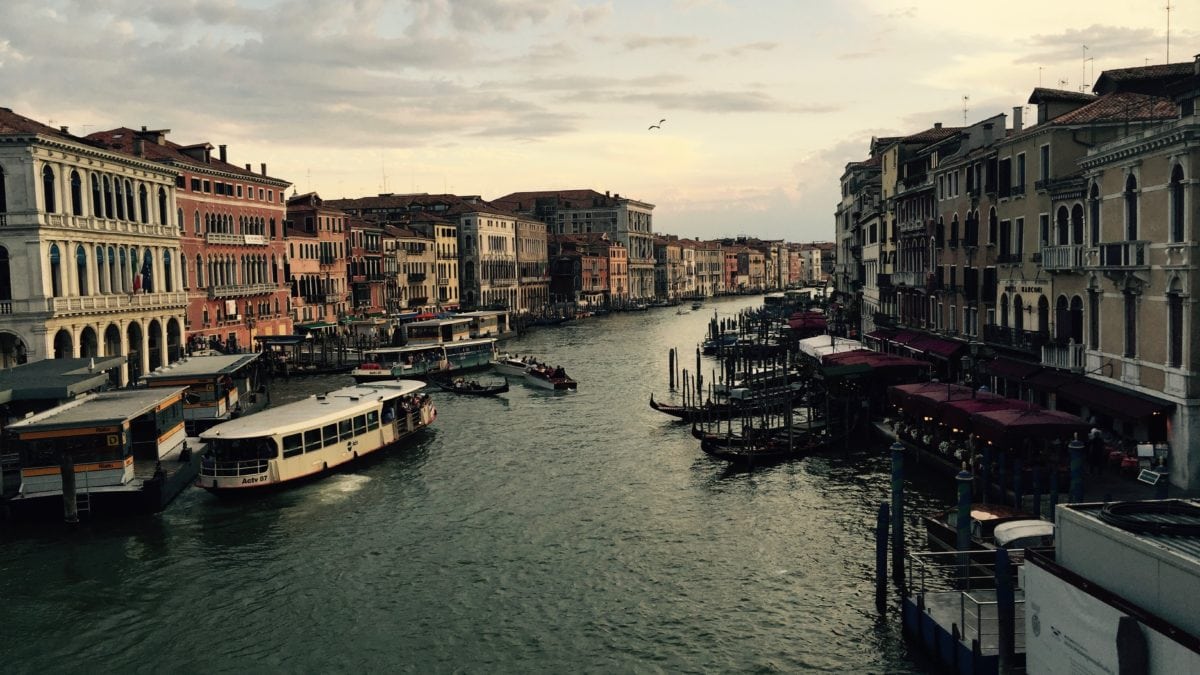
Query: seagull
<point x="657" y="126"/>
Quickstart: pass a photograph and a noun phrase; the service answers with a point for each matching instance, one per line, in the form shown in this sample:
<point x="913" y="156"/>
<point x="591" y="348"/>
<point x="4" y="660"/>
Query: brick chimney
<point x="224" y="157"/>
<point x="264" y="168"/>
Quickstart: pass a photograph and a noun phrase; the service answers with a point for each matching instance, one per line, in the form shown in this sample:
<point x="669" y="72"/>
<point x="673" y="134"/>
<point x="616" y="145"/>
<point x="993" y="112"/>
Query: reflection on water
<point x="540" y="531"/>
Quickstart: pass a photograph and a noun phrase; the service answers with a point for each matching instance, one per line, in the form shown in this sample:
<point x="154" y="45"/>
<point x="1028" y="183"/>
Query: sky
<point x="765" y="102"/>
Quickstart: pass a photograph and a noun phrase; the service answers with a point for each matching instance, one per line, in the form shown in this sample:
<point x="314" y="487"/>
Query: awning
<point x="880" y="334"/>
<point x="923" y="398"/>
<point x="903" y="337"/>
<point x="1118" y="403"/>
<point x="873" y="359"/>
<point x="1012" y="369"/>
<point x="318" y="325"/>
<point x="819" y="346"/>
<point x="957" y="414"/>
<point x="943" y="349"/>
<point x="1010" y="427"/>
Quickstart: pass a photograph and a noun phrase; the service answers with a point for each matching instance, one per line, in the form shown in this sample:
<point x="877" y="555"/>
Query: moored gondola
<point x="769" y="451"/>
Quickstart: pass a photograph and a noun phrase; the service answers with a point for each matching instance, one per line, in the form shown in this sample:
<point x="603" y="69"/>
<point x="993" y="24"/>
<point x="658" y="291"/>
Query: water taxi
<point x="389" y="363"/>
<point x="312" y="436"/>
<point x="112" y="452"/>
<point x="512" y="364"/>
<point x="545" y="377"/>
<point x="219" y="387"/>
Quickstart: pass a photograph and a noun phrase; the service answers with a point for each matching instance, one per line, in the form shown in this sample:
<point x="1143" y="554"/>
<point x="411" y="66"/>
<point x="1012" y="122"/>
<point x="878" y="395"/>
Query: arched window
<point x="1094" y="213"/>
<point x="993" y="225"/>
<point x="144" y="205"/>
<point x="1061" y="225"/>
<point x="97" y="199"/>
<point x="1077" y="224"/>
<point x="183" y="274"/>
<point x="108" y="198"/>
<point x="81" y="270"/>
<point x="5" y="276"/>
<point x="1043" y="311"/>
<point x="1131" y="324"/>
<point x="1004" y="310"/>
<point x="129" y="199"/>
<point x="1018" y="313"/>
<point x="1131" y="208"/>
<point x="196" y="222"/>
<point x="119" y="197"/>
<point x="101" y="274"/>
<point x="76" y="194"/>
<point x="48" y="188"/>
<point x="122" y="284"/>
<point x="1076" y="320"/>
<point x="146" y="272"/>
<point x="1177" y="212"/>
<point x="168" y="281"/>
<point x="3" y="193"/>
<point x="199" y="271"/>
<point x="55" y="272"/>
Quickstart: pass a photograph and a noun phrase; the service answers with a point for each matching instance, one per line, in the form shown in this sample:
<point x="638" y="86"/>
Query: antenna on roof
<point x="965" y="99"/>
<point x="1083" y="69"/>
<point x="1169" y="7"/>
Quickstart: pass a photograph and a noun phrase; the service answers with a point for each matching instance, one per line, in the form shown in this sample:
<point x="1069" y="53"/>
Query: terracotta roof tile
<point x="168" y="152"/>
<point x="1119" y="108"/>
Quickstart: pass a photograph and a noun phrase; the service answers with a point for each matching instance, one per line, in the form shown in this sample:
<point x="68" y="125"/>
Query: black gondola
<point x="770" y="451"/>
<point x="471" y="387"/>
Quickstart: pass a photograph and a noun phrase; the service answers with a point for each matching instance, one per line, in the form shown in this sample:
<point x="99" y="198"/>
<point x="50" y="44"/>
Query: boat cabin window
<point x="170" y="417"/>
<point x="360" y="424"/>
<point x="83" y="449"/>
<point x="372" y="420"/>
<point x="330" y="433"/>
<point x="292" y="445"/>
<point x="242" y="449"/>
<point x="344" y="432"/>
<point x="312" y="440"/>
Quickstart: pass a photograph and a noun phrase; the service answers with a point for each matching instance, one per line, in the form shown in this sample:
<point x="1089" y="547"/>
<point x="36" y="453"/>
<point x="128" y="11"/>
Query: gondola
<point x="730" y="408"/>
<point x="471" y="387"/>
<point x="771" y="451"/>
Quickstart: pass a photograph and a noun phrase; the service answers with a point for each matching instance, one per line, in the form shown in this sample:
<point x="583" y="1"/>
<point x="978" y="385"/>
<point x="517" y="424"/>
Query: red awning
<point x="903" y="337"/>
<point x="944" y="349"/>
<point x="1011" y="368"/>
<point x="1121" y="404"/>
<point x="1010" y="427"/>
<point x="874" y="359"/>
<point x="927" y="401"/>
<point x="957" y="414"/>
<point x="899" y="394"/>
<point x="880" y="334"/>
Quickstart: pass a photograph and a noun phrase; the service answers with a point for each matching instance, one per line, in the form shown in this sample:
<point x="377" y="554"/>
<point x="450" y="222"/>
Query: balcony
<point x="1027" y="341"/>
<point x="318" y="298"/>
<point x="1008" y="259"/>
<point x="113" y="302"/>
<point x="1063" y="258"/>
<point x="416" y="277"/>
<point x="1064" y="357"/>
<point x="909" y="278"/>
<point x="358" y="279"/>
<point x="240" y="290"/>
<point x="327" y="260"/>
<point x="1123" y="255"/>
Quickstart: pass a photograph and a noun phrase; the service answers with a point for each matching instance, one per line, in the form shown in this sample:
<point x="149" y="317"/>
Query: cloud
<point x="634" y="42"/>
<point x="1109" y="42"/>
<point x="740" y="50"/>
<point x="856" y="56"/>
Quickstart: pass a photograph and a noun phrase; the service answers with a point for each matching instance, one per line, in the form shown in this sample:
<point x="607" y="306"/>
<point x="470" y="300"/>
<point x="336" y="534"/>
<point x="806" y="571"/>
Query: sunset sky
<point x="764" y="101"/>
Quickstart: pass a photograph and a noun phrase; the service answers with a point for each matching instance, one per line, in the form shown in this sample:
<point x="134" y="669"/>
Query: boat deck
<point x="974" y="612"/>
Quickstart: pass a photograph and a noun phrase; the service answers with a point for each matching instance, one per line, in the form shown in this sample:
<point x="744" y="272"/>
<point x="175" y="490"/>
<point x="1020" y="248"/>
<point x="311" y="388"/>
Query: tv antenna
<point x="965" y="100"/>
<point x="1083" y="69"/>
<point x="1169" y="7"/>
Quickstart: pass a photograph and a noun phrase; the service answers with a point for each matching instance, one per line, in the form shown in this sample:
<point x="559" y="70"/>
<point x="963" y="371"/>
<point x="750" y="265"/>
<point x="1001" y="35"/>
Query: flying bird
<point x="657" y="126"/>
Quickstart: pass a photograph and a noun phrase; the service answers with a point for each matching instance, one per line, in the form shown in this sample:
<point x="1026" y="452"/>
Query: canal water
<point x="539" y="532"/>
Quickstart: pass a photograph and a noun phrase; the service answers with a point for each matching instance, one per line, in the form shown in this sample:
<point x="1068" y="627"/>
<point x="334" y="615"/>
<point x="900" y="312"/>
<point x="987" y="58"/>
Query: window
<point x="81" y="269"/>
<point x="5" y="277"/>
<point x="1174" y="329"/>
<point x="168" y="278"/>
<point x="330" y="434"/>
<point x="162" y="208"/>
<point x="1019" y="244"/>
<point x="1131" y="208"/>
<point x="144" y="206"/>
<point x="1176" y="211"/>
<point x="97" y="201"/>
<point x="1077" y="224"/>
<point x="344" y="430"/>
<point x="129" y="200"/>
<point x="1044" y="163"/>
<point x="76" y="194"/>
<point x="1019" y="188"/>
<point x="312" y="440"/>
<point x="993" y="223"/>
<point x="48" y="189"/>
<point x="360" y="425"/>
<point x="1130" y="325"/>
<point x="292" y="446"/>
<point x="372" y="420"/>
<point x="1043" y="230"/>
<point x="55" y="272"/>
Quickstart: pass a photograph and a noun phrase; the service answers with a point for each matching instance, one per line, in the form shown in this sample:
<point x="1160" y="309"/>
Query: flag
<point x="144" y="281"/>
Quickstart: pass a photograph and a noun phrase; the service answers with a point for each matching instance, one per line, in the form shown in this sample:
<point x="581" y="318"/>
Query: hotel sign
<point x="1032" y="288"/>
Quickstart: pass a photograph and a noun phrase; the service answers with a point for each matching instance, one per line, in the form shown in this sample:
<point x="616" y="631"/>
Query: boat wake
<point x="338" y="487"/>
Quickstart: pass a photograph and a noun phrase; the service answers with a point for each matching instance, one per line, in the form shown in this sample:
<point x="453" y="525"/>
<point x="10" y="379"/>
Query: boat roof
<point x="56" y="379"/>
<point x="438" y="322"/>
<point x="195" y="366"/>
<point x="982" y="512"/>
<point x="316" y="410"/>
<point x="104" y="409"/>
<point x="1019" y="529"/>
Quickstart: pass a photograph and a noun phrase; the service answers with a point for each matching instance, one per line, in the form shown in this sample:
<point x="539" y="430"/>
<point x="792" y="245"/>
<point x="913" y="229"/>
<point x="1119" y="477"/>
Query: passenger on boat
<point x="559" y="372"/>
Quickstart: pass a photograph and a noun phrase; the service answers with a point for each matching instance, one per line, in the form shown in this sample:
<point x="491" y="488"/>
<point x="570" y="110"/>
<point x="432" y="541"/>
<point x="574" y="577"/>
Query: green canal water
<point x="541" y="532"/>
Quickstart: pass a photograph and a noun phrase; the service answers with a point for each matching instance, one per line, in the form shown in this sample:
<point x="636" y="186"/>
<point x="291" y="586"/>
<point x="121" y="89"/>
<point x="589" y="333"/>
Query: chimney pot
<point x="937" y="125"/>
<point x="1018" y="121"/>
<point x="247" y="166"/>
<point x="143" y="127"/>
<point x="64" y="129"/>
<point x="264" y="168"/>
<point x="222" y="150"/>
<point x="1196" y="65"/>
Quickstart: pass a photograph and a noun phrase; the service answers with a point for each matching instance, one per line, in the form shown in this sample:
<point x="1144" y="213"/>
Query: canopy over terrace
<point x="927" y="401"/>
<point x="823" y="345"/>
<point x="1011" y="427"/>
<point x="808" y="322"/>
<point x="888" y="363"/>
<point x="957" y="413"/>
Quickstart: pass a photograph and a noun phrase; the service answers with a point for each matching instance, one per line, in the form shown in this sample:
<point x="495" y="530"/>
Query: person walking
<point x="1096" y="451"/>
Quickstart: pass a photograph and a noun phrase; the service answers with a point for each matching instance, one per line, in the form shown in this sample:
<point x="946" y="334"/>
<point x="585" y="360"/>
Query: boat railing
<point x="249" y="467"/>
<point x="966" y="583"/>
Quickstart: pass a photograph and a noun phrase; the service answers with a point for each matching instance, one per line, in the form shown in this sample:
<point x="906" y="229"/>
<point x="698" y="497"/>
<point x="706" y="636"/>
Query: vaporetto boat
<point x="312" y="436"/>
<point x="443" y="358"/>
